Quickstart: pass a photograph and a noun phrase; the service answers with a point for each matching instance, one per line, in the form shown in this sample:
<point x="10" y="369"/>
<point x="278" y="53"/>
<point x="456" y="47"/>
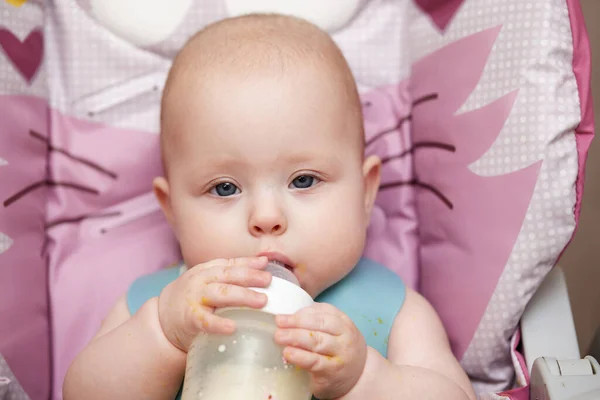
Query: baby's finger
<point x="326" y="323"/>
<point x="250" y="262"/>
<point x="310" y="361"/>
<point x="241" y="276"/>
<point x="224" y="295"/>
<point x="314" y="341"/>
<point x="210" y="323"/>
<point x="322" y="308"/>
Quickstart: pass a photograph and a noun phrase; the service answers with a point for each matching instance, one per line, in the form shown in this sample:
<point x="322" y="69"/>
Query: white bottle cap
<point x="285" y="296"/>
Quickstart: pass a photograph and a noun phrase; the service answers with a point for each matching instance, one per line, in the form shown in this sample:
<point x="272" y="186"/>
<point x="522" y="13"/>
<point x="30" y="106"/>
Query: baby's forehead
<point x="244" y="49"/>
<point x="297" y="129"/>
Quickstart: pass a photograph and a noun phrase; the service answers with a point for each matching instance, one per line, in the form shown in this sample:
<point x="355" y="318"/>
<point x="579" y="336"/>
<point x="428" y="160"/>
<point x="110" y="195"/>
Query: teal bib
<point x="371" y="295"/>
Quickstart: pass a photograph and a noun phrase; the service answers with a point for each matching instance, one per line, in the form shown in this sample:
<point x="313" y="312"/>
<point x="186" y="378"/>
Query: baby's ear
<point x="161" y="191"/>
<point x="372" y="177"/>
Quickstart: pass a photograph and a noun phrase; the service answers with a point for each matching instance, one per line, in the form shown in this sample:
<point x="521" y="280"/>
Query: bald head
<point x="250" y="47"/>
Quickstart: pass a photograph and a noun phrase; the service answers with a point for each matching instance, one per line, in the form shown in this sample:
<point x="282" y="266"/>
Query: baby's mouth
<point x="275" y="268"/>
<point x="281" y="264"/>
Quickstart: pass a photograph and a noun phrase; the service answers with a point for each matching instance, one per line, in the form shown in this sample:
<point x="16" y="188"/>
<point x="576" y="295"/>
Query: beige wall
<point x="581" y="261"/>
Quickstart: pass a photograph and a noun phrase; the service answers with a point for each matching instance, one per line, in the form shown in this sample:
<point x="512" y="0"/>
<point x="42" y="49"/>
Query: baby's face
<point x="271" y="165"/>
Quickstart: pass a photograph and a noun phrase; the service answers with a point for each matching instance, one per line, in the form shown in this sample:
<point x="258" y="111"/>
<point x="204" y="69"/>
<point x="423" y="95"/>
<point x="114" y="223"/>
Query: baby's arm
<point x="121" y="361"/>
<point x="143" y="356"/>
<point x="420" y="362"/>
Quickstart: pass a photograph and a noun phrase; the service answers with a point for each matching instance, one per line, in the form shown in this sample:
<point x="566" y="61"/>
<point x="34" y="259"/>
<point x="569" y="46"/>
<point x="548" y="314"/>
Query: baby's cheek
<point x="205" y="238"/>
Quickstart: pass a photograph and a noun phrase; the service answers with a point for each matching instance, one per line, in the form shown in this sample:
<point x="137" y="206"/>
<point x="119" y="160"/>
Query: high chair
<point x="480" y="110"/>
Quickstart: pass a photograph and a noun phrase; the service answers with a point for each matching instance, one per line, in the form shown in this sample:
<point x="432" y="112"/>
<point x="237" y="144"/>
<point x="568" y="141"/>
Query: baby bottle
<point x="249" y="364"/>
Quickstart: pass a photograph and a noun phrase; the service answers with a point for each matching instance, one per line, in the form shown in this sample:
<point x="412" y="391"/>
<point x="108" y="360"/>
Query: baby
<point x="262" y="141"/>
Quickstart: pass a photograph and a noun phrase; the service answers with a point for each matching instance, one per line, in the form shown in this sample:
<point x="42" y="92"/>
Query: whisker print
<point x="46" y="182"/>
<point x="39" y="136"/>
<point x="416" y="182"/>
<point x="402" y="120"/>
<point x="420" y="145"/>
<point x="425" y="98"/>
<point x="78" y="159"/>
<point x="385" y="132"/>
<point x="80" y="218"/>
<point x="415" y="146"/>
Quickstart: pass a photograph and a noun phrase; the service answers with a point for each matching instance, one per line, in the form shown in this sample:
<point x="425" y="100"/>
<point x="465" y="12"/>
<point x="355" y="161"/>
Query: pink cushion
<point x="102" y="237"/>
<point x="24" y="309"/>
<point x="24" y="326"/>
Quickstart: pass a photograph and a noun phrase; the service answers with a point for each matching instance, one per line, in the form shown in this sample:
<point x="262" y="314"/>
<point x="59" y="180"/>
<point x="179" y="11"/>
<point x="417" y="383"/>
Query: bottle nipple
<point x="279" y="271"/>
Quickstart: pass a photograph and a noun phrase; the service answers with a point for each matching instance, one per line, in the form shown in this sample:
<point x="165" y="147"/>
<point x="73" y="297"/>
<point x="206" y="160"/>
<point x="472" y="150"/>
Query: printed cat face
<point x="147" y="23"/>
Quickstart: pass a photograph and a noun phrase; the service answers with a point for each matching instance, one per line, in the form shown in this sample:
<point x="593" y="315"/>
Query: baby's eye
<point x="225" y="189"/>
<point x="304" y="182"/>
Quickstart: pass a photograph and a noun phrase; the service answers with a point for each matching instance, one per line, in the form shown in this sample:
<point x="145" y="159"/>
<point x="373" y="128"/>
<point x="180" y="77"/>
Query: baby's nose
<point x="267" y="221"/>
<point x="270" y="229"/>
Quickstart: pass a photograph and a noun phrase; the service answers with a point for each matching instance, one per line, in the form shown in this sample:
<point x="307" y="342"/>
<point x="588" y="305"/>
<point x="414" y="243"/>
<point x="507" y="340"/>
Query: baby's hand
<point x="186" y="305"/>
<point x="324" y="341"/>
